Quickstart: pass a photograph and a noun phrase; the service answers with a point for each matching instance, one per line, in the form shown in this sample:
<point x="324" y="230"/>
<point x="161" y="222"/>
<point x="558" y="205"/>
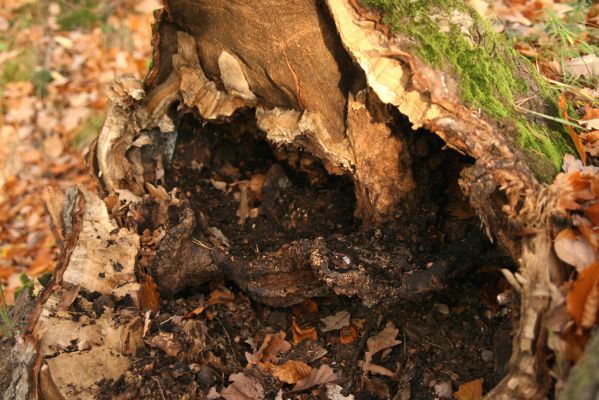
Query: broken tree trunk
<point x="334" y="89"/>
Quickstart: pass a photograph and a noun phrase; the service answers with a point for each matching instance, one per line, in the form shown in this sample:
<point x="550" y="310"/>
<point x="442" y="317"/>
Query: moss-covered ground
<point x="491" y="75"/>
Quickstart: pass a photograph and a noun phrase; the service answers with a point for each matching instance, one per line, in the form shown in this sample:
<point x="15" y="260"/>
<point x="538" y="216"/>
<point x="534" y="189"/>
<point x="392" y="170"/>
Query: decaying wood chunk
<point x="63" y="353"/>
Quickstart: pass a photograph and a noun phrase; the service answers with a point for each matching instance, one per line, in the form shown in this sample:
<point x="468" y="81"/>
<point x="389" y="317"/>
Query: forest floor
<point x="56" y="59"/>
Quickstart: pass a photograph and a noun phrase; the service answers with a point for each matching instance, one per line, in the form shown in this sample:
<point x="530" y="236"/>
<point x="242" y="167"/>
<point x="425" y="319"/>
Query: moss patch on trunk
<point x="492" y="76"/>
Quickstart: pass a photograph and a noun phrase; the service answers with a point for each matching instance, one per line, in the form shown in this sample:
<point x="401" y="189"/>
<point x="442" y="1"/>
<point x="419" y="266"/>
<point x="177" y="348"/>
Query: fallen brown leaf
<point x="194" y="313"/>
<point x="272" y="347"/>
<point x="583" y="297"/>
<point x="574" y="249"/>
<point x="291" y="372"/>
<point x="221" y="296"/>
<point x="563" y="106"/>
<point x="348" y="334"/>
<point x="300" y="334"/>
<point x="149" y="299"/>
<point x="472" y="390"/>
<point x="368" y="366"/>
<point x="585" y="66"/>
<point x="384" y="340"/>
<point x="320" y="376"/>
<point x="243" y="388"/>
<point x="335" y="322"/>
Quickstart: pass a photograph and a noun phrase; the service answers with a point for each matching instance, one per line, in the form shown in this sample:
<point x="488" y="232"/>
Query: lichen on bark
<point x="492" y="77"/>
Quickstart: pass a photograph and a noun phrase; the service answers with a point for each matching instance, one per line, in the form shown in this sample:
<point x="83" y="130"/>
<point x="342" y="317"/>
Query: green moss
<point x="451" y="36"/>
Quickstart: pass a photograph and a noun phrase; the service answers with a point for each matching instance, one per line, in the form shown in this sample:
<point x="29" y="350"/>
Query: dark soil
<point x="448" y="337"/>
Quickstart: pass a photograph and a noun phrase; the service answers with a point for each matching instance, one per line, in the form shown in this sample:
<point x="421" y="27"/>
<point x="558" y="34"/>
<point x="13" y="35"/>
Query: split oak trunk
<point x="334" y="81"/>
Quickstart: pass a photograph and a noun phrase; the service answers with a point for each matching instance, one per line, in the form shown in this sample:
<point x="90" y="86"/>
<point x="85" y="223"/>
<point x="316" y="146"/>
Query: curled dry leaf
<point x="243" y="388"/>
<point x="574" y="249"/>
<point x="337" y="321"/>
<point x="575" y="187"/>
<point x="221" y="296"/>
<point x="300" y="334"/>
<point x="590" y="119"/>
<point x="268" y="353"/>
<point x="291" y="372"/>
<point x="384" y="340"/>
<point x="194" y="313"/>
<point x="472" y="390"/>
<point x="368" y="366"/>
<point x="583" y="297"/>
<point x="320" y="376"/>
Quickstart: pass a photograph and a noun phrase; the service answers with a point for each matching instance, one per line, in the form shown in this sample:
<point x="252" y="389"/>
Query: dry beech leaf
<point x="472" y="390"/>
<point x="590" y="119"/>
<point x="337" y="321"/>
<point x="593" y="213"/>
<point x="575" y="187"/>
<point x="221" y="296"/>
<point x="320" y="376"/>
<point x="574" y="249"/>
<point x="268" y="353"/>
<point x="368" y="366"/>
<point x="194" y="313"/>
<point x="586" y="229"/>
<point x="583" y="297"/>
<point x="384" y="340"/>
<point x="243" y="388"/>
<point x="300" y="334"/>
<point x="563" y="106"/>
<point x="348" y="334"/>
<point x="586" y="66"/>
<point x="149" y="299"/>
<point x="291" y="372"/>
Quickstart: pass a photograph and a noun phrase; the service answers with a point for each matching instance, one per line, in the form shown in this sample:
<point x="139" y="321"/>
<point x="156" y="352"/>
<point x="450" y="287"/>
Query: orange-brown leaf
<point x="149" y="299"/>
<point x="268" y="353"/>
<point x="593" y="213"/>
<point x="582" y="297"/>
<point x="221" y="296"/>
<point x="300" y="334"/>
<point x="291" y="372"/>
<point x="320" y="376"/>
<point x="348" y="334"/>
<point x="563" y="106"/>
<point x="194" y="313"/>
<point x="472" y="390"/>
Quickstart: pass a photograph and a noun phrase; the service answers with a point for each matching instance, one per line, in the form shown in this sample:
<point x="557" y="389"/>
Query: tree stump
<point x="374" y="137"/>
